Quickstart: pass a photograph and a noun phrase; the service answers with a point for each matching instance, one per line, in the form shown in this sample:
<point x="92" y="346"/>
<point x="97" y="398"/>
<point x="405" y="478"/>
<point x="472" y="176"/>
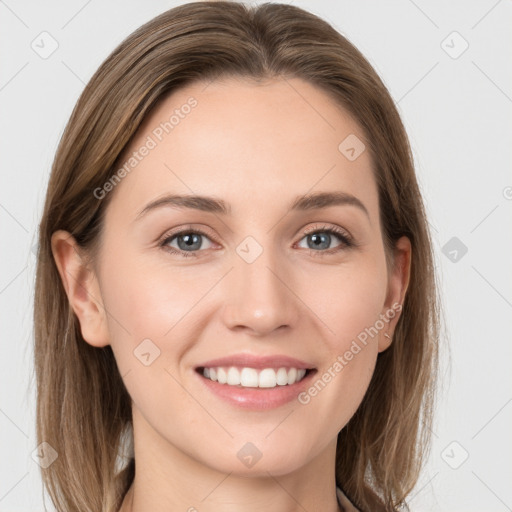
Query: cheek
<point x="149" y="300"/>
<point x="148" y="308"/>
<point x="142" y="305"/>
<point x="347" y="299"/>
<point x="349" y="305"/>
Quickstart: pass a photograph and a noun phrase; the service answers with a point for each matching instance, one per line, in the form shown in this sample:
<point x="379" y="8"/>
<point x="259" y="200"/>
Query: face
<point x="254" y="274"/>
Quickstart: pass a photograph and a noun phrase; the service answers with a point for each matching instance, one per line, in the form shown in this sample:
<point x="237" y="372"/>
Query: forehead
<point x="251" y="144"/>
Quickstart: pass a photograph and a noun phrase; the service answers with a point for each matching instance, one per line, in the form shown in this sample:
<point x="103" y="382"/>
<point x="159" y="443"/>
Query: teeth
<point x="252" y="378"/>
<point x="292" y="375"/>
<point x="221" y="376"/>
<point x="267" y="378"/>
<point x="282" y="377"/>
<point x="249" y="378"/>
<point x="233" y="377"/>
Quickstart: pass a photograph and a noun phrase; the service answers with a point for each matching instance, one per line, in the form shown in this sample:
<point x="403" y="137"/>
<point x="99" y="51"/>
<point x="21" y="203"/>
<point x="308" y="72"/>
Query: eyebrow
<point x="306" y="202"/>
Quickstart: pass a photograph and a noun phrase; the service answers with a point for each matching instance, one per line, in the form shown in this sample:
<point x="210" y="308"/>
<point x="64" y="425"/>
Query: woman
<point x="235" y="278"/>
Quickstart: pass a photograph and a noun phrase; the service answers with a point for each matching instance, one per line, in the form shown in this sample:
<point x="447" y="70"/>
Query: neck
<point x="168" y="479"/>
<point x="129" y="505"/>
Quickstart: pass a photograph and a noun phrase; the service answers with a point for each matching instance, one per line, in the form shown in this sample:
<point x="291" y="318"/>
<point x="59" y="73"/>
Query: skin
<point x="214" y="304"/>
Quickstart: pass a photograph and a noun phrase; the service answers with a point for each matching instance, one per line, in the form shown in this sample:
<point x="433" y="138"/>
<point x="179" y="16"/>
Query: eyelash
<point x="346" y="241"/>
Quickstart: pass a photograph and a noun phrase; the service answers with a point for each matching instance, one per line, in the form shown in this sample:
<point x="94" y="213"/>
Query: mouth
<point x="255" y="378"/>
<point x="255" y="382"/>
<point x="252" y="389"/>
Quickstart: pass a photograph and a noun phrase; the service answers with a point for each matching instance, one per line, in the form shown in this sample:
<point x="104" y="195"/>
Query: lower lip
<point x="257" y="399"/>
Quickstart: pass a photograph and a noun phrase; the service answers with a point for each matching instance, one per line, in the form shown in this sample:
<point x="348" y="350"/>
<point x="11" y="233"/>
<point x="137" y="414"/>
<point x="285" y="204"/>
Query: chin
<point x="247" y="462"/>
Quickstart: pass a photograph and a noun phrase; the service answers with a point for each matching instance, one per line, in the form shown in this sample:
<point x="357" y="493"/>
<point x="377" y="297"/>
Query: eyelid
<point x="333" y="227"/>
<point x="187" y="228"/>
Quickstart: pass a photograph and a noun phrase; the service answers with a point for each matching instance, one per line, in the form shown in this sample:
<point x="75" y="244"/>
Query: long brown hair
<point x="83" y="407"/>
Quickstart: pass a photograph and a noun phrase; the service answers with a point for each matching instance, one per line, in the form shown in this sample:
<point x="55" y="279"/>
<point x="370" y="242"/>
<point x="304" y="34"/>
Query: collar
<point x="344" y="502"/>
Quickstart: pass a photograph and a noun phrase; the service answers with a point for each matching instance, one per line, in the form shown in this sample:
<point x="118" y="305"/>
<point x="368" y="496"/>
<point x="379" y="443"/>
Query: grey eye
<point x="320" y="240"/>
<point x="188" y="241"/>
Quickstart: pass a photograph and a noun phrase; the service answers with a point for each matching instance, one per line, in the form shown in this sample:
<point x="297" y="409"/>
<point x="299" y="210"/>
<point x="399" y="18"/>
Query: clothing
<point x="344" y="502"/>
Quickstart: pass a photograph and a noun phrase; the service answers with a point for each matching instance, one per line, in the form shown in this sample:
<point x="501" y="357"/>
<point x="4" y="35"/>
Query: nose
<point x="260" y="297"/>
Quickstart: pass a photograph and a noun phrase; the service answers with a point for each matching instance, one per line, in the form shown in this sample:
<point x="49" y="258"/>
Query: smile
<point x="254" y="378"/>
<point x="262" y="389"/>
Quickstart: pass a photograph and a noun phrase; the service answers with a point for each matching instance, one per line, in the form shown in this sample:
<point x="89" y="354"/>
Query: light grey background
<point x="457" y="110"/>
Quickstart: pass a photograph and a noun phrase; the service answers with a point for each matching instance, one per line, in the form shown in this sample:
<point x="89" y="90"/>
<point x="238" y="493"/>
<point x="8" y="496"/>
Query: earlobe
<point x="397" y="288"/>
<point x="385" y="343"/>
<point x="82" y="289"/>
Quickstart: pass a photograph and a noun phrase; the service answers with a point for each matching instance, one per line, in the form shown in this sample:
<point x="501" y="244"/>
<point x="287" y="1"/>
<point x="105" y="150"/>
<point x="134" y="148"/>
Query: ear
<point x="82" y="288"/>
<point x="397" y="287"/>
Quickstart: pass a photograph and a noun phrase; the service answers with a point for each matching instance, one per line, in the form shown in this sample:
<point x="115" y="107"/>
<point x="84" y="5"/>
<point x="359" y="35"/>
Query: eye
<point x="321" y="238"/>
<point x="188" y="242"/>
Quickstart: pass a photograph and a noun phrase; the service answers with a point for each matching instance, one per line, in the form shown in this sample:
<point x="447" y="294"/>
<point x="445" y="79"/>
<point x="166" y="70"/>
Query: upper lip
<point x="252" y="361"/>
